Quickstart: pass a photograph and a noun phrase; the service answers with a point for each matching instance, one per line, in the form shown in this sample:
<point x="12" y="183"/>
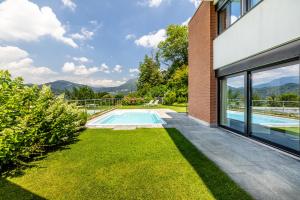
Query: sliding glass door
<point x="264" y="104"/>
<point x="232" y="109"/>
<point x="275" y="105"/>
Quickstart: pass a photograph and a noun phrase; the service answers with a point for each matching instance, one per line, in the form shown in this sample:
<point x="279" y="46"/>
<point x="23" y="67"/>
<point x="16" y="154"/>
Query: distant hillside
<point x="277" y="90"/>
<point x="129" y="86"/>
<point x="60" y="86"/>
<point x="279" y="82"/>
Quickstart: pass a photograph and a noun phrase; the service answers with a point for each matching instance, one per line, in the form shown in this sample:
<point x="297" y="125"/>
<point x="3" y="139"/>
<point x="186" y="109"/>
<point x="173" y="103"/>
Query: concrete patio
<point x="264" y="172"/>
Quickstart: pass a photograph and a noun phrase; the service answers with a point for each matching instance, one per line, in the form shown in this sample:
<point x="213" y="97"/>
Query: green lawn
<point x="138" y="164"/>
<point x="181" y="108"/>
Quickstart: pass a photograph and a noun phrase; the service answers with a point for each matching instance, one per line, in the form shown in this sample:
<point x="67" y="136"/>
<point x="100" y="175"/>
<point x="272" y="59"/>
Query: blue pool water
<point x="129" y="118"/>
<point x="262" y="119"/>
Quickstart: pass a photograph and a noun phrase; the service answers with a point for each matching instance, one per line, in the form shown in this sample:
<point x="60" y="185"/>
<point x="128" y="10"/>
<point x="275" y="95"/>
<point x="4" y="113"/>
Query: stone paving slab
<point x="262" y="171"/>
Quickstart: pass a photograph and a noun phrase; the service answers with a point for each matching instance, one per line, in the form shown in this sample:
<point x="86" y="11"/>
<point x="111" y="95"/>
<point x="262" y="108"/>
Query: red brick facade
<point x="202" y="81"/>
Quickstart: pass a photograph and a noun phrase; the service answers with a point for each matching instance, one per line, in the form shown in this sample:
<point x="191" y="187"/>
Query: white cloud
<point x="277" y="73"/>
<point x="118" y="68"/>
<point x="130" y="37"/>
<point x="22" y="20"/>
<point x="186" y="22"/>
<point x="69" y="4"/>
<point x="104" y="68"/>
<point x="103" y="82"/>
<point x="196" y="2"/>
<point x="154" y="3"/>
<point x="152" y="39"/>
<point x="83" y="35"/>
<point x="70" y="67"/>
<point x="233" y="18"/>
<point x="18" y="63"/>
<point x="134" y="70"/>
<point x="81" y="59"/>
<point x="150" y="3"/>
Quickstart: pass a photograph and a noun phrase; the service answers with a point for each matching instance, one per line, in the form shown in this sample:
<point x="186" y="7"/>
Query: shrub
<point x="181" y="100"/>
<point x="132" y="101"/>
<point x="169" y="98"/>
<point x="32" y="120"/>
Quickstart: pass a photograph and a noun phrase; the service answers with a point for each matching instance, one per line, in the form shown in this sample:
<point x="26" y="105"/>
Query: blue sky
<point x="94" y="42"/>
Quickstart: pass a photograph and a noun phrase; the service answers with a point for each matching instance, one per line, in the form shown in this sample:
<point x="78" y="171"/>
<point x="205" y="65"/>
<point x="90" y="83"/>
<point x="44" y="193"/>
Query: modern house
<point x="244" y="59"/>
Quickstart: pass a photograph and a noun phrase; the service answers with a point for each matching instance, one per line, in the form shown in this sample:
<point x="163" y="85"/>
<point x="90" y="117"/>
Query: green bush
<point x="127" y="101"/>
<point x="181" y="99"/>
<point x="32" y="120"/>
<point x="170" y="98"/>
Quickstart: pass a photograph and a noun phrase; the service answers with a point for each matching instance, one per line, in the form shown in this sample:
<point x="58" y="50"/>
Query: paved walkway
<point x="264" y="172"/>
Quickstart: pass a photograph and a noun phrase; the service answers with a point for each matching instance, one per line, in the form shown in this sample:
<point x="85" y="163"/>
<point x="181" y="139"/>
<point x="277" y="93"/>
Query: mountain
<point x="127" y="87"/>
<point x="277" y="90"/>
<point x="60" y="86"/>
<point x="279" y="82"/>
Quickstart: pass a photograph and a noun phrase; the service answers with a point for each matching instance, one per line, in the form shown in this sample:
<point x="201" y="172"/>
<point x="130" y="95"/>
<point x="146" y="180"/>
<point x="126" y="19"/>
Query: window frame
<point x="245" y="8"/>
<point x="248" y="97"/>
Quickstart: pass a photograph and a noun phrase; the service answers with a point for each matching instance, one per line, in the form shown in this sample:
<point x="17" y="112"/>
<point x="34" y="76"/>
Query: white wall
<point x="270" y="24"/>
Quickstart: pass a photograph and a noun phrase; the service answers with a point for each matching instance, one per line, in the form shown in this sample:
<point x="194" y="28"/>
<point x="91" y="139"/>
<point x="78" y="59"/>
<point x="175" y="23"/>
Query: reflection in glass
<point x="254" y="2"/>
<point x="235" y="10"/>
<point x="223" y="19"/>
<point x="233" y="102"/>
<point x="275" y="105"/>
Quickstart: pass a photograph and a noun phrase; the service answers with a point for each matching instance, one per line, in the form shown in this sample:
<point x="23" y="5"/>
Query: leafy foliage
<point x="174" y="50"/>
<point x="172" y="84"/>
<point x="150" y="75"/>
<point x="84" y="93"/>
<point x="32" y="119"/>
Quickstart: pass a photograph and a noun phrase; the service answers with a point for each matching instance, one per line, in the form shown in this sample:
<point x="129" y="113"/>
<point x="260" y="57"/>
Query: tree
<point x="173" y="52"/>
<point x="150" y="75"/>
<point x="179" y="83"/>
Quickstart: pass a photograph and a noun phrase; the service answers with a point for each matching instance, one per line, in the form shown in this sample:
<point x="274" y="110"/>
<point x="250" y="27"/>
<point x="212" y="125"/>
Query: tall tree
<point x="150" y="75"/>
<point x="173" y="52"/>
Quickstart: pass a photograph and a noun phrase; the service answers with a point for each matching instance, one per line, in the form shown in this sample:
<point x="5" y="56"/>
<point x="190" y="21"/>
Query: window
<point x="229" y="14"/>
<point x="263" y="104"/>
<point x="252" y="3"/>
<point x="233" y="102"/>
<point x="275" y="105"/>
<point x="235" y="10"/>
<point x="232" y="10"/>
<point x="223" y="19"/>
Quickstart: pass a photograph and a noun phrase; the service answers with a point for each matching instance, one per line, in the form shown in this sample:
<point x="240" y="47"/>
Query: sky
<point x="92" y="42"/>
<point x="263" y="76"/>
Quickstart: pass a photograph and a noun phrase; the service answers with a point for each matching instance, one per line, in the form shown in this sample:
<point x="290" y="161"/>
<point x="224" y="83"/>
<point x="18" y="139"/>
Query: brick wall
<point x="202" y="81"/>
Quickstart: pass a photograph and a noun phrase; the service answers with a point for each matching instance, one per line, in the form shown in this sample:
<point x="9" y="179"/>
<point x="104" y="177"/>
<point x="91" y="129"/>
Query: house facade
<point x="244" y="60"/>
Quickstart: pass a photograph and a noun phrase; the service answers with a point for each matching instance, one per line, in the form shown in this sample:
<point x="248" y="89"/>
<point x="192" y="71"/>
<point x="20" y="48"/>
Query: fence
<point x="290" y="108"/>
<point x="93" y="106"/>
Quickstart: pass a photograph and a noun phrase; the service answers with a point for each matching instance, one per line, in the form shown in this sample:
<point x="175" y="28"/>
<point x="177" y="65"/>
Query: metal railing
<point x="289" y="108"/>
<point x="93" y="106"/>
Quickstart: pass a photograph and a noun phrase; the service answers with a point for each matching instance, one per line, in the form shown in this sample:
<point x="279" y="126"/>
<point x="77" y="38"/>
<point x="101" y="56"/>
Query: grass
<point x="181" y="108"/>
<point x="289" y="130"/>
<point x="138" y="164"/>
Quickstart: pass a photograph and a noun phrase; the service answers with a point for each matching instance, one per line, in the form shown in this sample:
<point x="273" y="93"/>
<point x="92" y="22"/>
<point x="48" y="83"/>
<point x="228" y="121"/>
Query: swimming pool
<point x="128" y="117"/>
<point x="264" y="119"/>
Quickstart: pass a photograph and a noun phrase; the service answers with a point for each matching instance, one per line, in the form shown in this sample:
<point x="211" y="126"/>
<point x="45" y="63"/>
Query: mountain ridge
<point x="60" y="86"/>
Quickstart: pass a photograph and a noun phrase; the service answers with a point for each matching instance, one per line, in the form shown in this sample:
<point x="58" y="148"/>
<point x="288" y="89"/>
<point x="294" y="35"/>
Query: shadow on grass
<point x="219" y="184"/>
<point x="12" y="171"/>
<point x="11" y="191"/>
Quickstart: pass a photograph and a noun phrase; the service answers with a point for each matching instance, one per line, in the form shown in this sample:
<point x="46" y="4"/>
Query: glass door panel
<point x="233" y="110"/>
<point x="275" y="105"/>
